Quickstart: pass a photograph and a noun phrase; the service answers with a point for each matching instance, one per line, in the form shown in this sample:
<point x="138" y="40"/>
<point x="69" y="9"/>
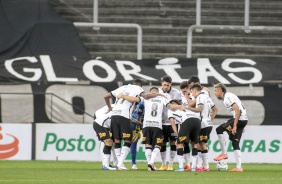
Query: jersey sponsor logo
<point x="203" y="138"/>
<point x="229" y="128"/>
<point x="124" y="135"/>
<point x="182" y="138"/>
<point x="9" y="149"/>
<point x="159" y="140"/>
<point x="102" y="134"/>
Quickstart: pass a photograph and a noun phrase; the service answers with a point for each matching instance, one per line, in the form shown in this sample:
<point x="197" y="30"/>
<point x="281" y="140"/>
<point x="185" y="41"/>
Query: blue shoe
<point x="193" y="169"/>
<point x="179" y="169"/>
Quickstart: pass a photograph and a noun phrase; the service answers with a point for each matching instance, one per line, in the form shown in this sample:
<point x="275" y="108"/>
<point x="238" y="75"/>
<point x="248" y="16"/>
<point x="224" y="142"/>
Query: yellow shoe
<point x="162" y="168"/>
<point x="170" y="168"/>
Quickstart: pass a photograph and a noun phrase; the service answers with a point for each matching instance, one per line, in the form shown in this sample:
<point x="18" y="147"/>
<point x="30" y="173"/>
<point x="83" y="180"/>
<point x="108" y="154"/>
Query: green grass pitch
<point x="90" y="172"/>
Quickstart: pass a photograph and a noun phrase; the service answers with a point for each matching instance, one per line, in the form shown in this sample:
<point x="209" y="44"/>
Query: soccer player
<point x="234" y="126"/>
<point x="185" y="91"/>
<point x="168" y="133"/>
<point x="101" y="126"/>
<point x="189" y="131"/>
<point x="138" y="115"/>
<point x="121" y="117"/>
<point x="207" y="115"/>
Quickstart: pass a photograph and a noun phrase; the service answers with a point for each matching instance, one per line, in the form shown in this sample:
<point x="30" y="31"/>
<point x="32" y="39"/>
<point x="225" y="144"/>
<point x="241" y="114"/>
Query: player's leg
<point x="126" y="133"/>
<point x="107" y="153"/>
<point x="186" y="155"/>
<point x="156" y="139"/>
<point x="195" y="128"/>
<point x="163" y="148"/>
<point x="227" y="126"/>
<point x="204" y="137"/>
<point x="236" y="145"/>
<point x="172" y="153"/>
<point x="115" y="131"/>
<point x="133" y="149"/>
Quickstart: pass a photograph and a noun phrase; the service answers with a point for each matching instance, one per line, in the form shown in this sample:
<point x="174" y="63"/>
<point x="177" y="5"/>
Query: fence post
<point x="198" y="15"/>
<point x="247" y="16"/>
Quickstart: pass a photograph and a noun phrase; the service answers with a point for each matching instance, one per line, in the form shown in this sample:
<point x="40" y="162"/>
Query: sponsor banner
<point x="15" y="141"/>
<point x="66" y="142"/>
<point x="259" y="144"/>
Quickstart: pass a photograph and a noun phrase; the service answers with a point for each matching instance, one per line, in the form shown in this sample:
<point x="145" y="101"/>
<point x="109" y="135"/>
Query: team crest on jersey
<point x="124" y="135"/>
<point x="159" y="141"/>
<point x="183" y="138"/>
<point x="102" y="134"/>
<point x="143" y="138"/>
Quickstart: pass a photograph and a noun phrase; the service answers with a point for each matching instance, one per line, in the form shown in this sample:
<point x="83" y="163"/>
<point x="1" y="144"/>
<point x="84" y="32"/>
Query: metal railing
<point x="224" y="27"/>
<point x="95" y="24"/>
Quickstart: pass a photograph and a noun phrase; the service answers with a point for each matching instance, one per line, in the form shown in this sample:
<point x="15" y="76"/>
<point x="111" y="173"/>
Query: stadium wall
<point x="259" y="144"/>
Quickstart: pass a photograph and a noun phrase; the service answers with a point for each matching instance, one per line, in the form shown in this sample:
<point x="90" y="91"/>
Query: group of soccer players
<point x="165" y="114"/>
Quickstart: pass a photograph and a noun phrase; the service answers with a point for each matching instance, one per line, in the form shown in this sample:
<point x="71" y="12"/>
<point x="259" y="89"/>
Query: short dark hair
<point x="154" y="87"/>
<point x="178" y="102"/>
<point x="198" y="87"/>
<point x="194" y="79"/>
<point x="137" y="82"/>
<point x="166" y="78"/>
<point x="183" y="85"/>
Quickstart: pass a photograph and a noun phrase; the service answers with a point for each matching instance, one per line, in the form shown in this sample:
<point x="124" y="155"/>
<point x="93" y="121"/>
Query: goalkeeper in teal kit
<point x="138" y="115"/>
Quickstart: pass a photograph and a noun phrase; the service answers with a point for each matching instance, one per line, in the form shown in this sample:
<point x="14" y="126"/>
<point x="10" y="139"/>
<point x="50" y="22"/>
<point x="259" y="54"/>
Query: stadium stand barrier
<point x="95" y="24"/>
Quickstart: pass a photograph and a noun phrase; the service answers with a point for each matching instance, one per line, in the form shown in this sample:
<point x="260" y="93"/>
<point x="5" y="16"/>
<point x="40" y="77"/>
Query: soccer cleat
<point x="134" y="167"/>
<point x="170" y="168"/>
<point x="108" y="168"/>
<point x="205" y="169"/>
<point x="193" y="169"/>
<point x="198" y="169"/>
<point x="152" y="167"/>
<point x="187" y="167"/>
<point x="162" y="168"/>
<point x="121" y="167"/>
<point x="221" y="157"/>
<point x="236" y="170"/>
<point x="179" y="169"/>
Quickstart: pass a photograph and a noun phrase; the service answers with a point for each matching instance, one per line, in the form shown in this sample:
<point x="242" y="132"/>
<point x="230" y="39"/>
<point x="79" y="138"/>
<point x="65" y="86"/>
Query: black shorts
<point x="152" y="136"/>
<point x="168" y="133"/>
<point x="102" y="132"/>
<point x="205" y="134"/>
<point x="240" y="127"/>
<point x="189" y="130"/>
<point x="121" y="128"/>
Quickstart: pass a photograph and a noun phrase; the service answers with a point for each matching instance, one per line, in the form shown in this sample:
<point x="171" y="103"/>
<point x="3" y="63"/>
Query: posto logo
<point x="9" y="149"/>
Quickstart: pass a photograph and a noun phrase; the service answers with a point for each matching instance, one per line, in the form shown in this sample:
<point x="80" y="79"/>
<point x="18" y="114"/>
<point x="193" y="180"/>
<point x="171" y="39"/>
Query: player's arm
<point x="191" y="102"/>
<point x="196" y="109"/>
<point x="214" y="112"/>
<point x="237" y="116"/>
<point x="151" y="95"/>
<point x="173" y="125"/>
<point x="128" y="98"/>
<point x="107" y="98"/>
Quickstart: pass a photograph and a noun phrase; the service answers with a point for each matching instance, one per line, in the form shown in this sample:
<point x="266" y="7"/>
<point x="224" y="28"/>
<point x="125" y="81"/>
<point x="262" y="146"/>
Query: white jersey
<point x="229" y="99"/>
<point x="208" y="104"/>
<point x="177" y="118"/>
<point x="184" y="100"/>
<point x="181" y="116"/>
<point x="104" y="119"/>
<point x="172" y="94"/>
<point x="153" y="111"/>
<point x="123" y="107"/>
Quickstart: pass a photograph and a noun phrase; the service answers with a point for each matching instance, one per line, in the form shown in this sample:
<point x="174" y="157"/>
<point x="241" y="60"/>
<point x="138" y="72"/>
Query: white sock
<point x="199" y="161"/>
<point x="106" y="160"/>
<point x="101" y="148"/>
<point x="148" y="154"/>
<point x="237" y="155"/>
<point x="163" y="157"/>
<point x="187" y="158"/>
<point x="155" y="153"/>
<point x="180" y="161"/>
<point x="172" y="155"/>
<point x="194" y="159"/>
<point x="205" y="160"/>
<point x="117" y="152"/>
<point x="124" y="152"/>
<point x="222" y="143"/>
<point x="115" y="159"/>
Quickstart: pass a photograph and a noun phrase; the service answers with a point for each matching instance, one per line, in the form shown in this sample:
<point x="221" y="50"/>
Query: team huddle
<point x="167" y="115"/>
